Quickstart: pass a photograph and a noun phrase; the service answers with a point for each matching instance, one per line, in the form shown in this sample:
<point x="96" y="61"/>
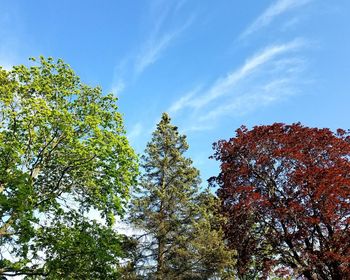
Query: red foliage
<point x="285" y="190"/>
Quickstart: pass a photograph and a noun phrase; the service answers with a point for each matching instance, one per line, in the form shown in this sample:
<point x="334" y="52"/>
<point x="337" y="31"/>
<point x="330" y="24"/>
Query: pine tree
<point x="177" y="237"/>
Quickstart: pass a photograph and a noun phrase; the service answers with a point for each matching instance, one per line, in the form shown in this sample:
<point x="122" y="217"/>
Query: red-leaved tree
<point x="285" y="190"/>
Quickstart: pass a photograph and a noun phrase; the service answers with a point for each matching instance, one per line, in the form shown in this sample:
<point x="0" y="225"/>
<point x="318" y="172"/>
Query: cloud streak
<point x="183" y="101"/>
<point x="155" y="46"/>
<point x="260" y="97"/>
<point x="266" y="77"/>
<point x="160" y="40"/>
<point x="276" y="9"/>
<point x="152" y="51"/>
<point x="223" y="86"/>
<point x="135" y="132"/>
<point x="164" y="30"/>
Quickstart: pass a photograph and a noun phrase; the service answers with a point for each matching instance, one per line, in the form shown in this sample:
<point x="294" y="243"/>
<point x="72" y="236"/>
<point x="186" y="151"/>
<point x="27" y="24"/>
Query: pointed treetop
<point x="165" y="123"/>
<point x="165" y="120"/>
<point x="165" y="117"/>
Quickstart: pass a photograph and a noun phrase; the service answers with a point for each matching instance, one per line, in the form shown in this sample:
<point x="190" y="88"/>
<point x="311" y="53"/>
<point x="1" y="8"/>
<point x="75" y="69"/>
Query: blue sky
<point x="213" y="65"/>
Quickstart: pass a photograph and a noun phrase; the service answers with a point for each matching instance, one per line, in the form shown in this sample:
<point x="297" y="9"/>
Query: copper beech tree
<point x="285" y="190"/>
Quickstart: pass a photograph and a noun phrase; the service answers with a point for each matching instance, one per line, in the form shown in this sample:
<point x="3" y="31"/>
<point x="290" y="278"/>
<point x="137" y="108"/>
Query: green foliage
<point x="178" y="236"/>
<point x="63" y="152"/>
<point x="78" y="249"/>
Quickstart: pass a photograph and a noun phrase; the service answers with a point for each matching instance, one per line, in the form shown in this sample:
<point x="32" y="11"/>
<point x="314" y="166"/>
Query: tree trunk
<point x="160" y="259"/>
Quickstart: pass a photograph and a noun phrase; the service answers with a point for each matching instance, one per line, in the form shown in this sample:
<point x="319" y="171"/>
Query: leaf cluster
<point x="285" y="192"/>
<point x="63" y="153"/>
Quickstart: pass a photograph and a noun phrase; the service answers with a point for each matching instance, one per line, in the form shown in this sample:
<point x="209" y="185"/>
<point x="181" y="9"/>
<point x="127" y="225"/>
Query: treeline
<point x="69" y="179"/>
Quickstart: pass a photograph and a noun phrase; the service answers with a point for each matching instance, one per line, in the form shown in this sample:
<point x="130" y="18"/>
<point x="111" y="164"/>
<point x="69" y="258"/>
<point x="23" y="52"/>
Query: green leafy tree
<point x="63" y="153"/>
<point x="178" y="238"/>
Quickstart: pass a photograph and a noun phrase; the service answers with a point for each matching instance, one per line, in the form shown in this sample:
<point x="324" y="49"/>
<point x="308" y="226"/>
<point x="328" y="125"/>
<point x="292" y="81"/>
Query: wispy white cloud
<point x="156" y="45"/>
<point x="291" y="23"/>
<point x="197" y="126"/>
<point x="117" y="87"/>
<point x="225" y="85"/>
<point x="261" y="96"/>
<point x="135" y="131"/>
<point x="178" y="105"/>
<point x="152" y="51"/>
<point x="278" y="8"/>
<point x="164" y="29"/>
<point x="269" y="76"/>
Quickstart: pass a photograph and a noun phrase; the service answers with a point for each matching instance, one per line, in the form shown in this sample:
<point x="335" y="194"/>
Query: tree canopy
<point x="67" y="171"/>
<point x="285" y="190"/>
<point x="178" y="237"/>
<point x="63" y="153"/>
